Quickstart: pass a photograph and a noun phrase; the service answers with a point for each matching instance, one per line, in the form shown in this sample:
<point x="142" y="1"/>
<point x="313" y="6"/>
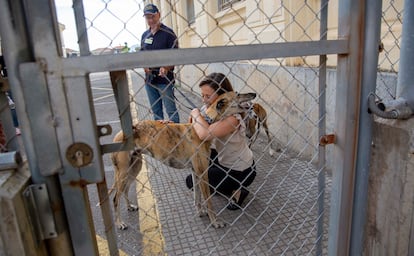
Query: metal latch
<point x="79" y="154"/>
<point x="327" y="139"/>
<point x="40" y="211"/>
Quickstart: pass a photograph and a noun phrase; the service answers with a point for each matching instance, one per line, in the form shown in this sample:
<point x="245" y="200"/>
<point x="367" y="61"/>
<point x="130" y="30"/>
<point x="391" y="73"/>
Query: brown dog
<point x="175" y="145"/>
<point x="254" y="117"/>
<point x="127" y="166"/>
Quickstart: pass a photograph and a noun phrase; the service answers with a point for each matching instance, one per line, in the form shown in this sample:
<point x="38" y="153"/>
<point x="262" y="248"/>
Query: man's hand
<point x="163" y="71"/>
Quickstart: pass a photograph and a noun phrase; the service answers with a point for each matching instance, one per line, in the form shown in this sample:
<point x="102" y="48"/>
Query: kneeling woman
<point x="231" y="162"/>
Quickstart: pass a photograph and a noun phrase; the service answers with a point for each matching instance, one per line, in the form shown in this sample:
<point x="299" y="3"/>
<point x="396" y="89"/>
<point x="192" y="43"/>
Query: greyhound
<point x="175" y="145"/>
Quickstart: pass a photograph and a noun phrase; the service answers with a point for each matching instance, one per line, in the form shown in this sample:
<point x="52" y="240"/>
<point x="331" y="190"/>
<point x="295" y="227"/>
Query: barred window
<point x="224" y="4"/>
<point x="190" y="12"/>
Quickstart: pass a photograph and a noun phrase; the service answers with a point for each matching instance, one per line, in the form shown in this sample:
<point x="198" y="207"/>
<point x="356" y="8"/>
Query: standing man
<point x="159" y="82"/>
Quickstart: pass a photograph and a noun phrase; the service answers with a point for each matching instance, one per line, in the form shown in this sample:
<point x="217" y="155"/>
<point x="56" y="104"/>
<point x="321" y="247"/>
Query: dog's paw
<point x="132" y="208"/>
<point x="121" y="225"/>
<point x="218" y="224"/>
<point x="271" y="151"/>
<point x="202" y="212"/>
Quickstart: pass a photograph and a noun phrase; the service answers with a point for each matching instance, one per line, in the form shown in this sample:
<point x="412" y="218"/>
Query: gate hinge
<point x="40" y="211"/>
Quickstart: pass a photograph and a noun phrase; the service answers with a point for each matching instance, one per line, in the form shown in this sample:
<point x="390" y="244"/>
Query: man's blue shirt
<point x="164" y="38"/>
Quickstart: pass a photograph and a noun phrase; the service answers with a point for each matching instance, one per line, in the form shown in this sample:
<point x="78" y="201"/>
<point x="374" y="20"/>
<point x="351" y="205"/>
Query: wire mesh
<point x="390" y="49"/>
<point x="280" y="215"/>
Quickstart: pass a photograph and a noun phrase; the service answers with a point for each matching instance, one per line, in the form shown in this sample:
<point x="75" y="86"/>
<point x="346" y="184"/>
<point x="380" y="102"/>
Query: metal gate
<point x="302" y="199"/>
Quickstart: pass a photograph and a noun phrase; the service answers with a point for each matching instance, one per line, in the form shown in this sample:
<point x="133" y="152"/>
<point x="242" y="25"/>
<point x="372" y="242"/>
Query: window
<point x="190" y="12"/>
<point x="224" y="4"/>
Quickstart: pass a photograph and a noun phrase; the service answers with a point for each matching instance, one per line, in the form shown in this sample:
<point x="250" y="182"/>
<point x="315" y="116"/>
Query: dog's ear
<point x="243" y="97"/>
<point x="228" y="104"/>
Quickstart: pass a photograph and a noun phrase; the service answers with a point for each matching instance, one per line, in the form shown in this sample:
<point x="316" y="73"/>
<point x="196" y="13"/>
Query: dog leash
<point x="186" y="98"/>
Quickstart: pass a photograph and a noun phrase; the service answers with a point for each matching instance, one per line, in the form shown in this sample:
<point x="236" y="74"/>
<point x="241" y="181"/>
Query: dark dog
<point x="175" y="145"/>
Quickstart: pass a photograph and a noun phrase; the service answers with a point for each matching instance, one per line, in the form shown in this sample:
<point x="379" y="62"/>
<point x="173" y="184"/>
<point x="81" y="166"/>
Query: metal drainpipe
<point x="403" y="106"/>
<point x="369" y="76"/>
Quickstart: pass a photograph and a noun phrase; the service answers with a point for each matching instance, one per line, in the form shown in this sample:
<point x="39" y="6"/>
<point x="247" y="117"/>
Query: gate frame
<point x="67" y="184"/>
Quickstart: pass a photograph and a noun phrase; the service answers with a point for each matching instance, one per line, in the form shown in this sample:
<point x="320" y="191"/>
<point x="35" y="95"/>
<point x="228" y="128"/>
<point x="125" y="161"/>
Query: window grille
<point x="190" y="12"/>
<point x="224" y="4"/>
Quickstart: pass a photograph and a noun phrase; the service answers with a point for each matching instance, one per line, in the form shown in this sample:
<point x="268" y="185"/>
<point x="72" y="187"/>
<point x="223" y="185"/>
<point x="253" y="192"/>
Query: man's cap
<point x="150" y="9"/>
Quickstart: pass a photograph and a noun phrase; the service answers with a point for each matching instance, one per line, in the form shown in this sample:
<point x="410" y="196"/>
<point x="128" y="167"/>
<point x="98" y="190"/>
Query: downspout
<point x="369" y="77"/>
<point x="403" y="106"/>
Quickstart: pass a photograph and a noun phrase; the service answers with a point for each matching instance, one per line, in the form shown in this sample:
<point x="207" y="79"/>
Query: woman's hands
<point x="195" y="112"/>
<point x="206" y="131"/>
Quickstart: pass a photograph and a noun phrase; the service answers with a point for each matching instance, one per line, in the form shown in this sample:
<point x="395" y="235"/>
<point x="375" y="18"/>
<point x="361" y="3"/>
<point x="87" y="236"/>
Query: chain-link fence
<point x="281" y="215"/>
<point x="287" y="207"/>
<point x="390" y="49"/>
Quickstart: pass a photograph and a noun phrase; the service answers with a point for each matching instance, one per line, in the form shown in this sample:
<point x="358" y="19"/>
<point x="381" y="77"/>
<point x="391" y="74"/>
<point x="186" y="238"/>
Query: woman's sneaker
<point x="189" y="181"/>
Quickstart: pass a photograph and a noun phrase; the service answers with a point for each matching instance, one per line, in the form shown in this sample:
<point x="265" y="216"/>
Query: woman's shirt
<point x="233" y="150"/>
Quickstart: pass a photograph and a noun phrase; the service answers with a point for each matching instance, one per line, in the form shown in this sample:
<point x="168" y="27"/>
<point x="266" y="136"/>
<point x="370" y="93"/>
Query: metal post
<point x="369" y="75"/>
<point x="322" y="129"/>
<point x="405" y="83"/>
<point x="351" y="25"/>
<point x="83" y="41"/>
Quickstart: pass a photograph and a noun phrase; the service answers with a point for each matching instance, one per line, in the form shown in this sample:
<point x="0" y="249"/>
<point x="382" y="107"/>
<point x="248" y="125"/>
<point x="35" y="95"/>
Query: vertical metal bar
<point x="405" y="83"/>
<point x="322" y="128"/>
<point x="120" y="86"/>
<point x="110" y="232"/>
<point x="81" y="28"/>
<point x="369" y="79"/>
<point x="80" y="128"/>
<point x="351" y="25"/>
<point x="119" y="81"/>
<point x="41" y="118"/>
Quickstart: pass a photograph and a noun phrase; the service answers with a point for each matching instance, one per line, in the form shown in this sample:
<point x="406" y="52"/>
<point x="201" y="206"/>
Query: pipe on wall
<point x="403" y="106"/>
